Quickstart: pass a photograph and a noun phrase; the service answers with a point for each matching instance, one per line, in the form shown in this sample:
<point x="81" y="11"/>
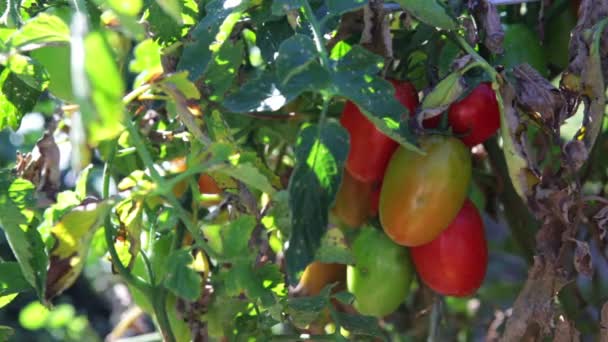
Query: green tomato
<point x="381" y="277"/>
<point x="522" y="45"/>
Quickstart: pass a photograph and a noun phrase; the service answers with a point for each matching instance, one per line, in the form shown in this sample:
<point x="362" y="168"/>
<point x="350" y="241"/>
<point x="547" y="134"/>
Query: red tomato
<point x="370" y="149"/>
<point x="477" y="116"/>
<point x="455" y="263"/>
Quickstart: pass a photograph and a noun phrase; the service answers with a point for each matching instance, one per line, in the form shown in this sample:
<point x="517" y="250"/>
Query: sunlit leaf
<point x="321" y="152"/>
<point x="181" y="279"/>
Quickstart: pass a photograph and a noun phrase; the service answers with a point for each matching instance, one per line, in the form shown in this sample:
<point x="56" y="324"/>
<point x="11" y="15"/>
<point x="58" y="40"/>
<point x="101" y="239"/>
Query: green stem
<point x="316" y="31"/>
<point x="169" y="197"/>
<point x="159" y="302"/>
<point x="122" y="270"/>
<point x="435" y="320"/>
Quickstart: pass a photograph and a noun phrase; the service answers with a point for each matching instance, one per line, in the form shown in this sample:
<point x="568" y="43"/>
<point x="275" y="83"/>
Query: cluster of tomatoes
<point x="428" y="222"/>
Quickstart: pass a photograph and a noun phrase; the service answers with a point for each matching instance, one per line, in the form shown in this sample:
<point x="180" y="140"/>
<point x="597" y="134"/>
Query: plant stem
<point x="316" y="31"/>
<point x="122" y="270"/>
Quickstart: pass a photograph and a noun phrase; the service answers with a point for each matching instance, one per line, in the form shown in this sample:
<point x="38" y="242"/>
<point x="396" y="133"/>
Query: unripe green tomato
<point x="421" y="194"/>
<point x="381" y="277"/>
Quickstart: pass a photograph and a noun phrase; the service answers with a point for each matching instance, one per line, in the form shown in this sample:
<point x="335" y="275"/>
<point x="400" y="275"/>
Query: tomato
<point x="317" y="275"/>
<point x="455" y="263"/>
<point x="522" y="45"/>
<point x="370" y="149"/>
<point x="421" y="194"/>
<point x="477" y="116"/>
<point x="352" y="204"/>
<point x="380" y="279"/>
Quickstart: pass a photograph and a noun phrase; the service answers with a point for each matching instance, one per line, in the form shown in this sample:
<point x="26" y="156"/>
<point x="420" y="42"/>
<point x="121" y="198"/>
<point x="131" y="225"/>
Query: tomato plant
<point x="209" y="157"/>
<point x="422" y="193"/>
<point x="476" y="117"/>
<point x="455" y="263"/>
<point x="370" y="149"/>
<point x="381" y="276"/>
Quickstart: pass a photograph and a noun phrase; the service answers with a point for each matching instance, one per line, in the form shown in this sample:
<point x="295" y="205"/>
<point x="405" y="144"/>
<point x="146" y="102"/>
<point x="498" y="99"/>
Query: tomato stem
<point x="316" y="30"/>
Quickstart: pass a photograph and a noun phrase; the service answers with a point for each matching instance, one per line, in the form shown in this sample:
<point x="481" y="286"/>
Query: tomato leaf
<point x="209" y="35"/>
<point x="12" y="283"/>
<point x="40" y="30"/>
<point x="339" y="7"/>
<point x="304" y="310"/>
<point x="359" y="325"/>
<point x="294" y="56"/>
<point x="16" y="197"/>
<point x="356" y="78"/>
<point x="98" y="87"/>
<point x="222" y="70"/>
<point x="16" y="99"/>
<point x="334" y="248"/>
<point x="72" y="234"/>
<point x="430" y="12"/>
<point x="180" y="278"/>
<point x="320" y="151"/>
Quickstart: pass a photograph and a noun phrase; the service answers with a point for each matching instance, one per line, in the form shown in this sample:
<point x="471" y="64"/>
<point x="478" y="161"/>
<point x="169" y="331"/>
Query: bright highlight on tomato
<point x="421" y="194"/>
<point x="477" y="116"/>
<point x="455" y="263"/>
<point x="370" y="149"/>
<point x="381" y="276"/>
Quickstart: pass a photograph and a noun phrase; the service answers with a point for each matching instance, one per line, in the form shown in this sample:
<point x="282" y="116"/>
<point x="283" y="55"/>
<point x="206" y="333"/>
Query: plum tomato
<point x="422" y="193"/>
<point x="455" y="263"/>
<point x="370" y="150"/>
<point x="381" y="276"/>
<point x="317" y="275"/>
<point x="352" y="204"/>
<point x="477" y="116"/>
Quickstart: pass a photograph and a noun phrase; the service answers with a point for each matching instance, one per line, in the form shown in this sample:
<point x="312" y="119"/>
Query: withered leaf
<point x="582" y="258"/>
<point x="488" y="19"/>
<point x="537" y="96"/>
<point x="601" y="217"/>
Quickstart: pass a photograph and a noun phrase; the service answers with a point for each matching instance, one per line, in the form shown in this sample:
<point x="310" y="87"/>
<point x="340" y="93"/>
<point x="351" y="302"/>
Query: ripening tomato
<point x="380" y="279"/>
<point x="207" y="185"/>
<point x="370" y="149"/>
<point x="317" y="275"/>
<point x="421" y="194"/>
<point x="455" y="263"/>
<point x="352" y="204"/>
<point x="477" y="116"/>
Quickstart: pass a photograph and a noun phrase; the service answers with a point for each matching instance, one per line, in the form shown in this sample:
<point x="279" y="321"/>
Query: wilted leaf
<point x="487" y="17"/>
<point x="130" y="218"/>
<point x="72" y="233"/>
<point x="443" y="94"/>
<point x="582" y="258"/>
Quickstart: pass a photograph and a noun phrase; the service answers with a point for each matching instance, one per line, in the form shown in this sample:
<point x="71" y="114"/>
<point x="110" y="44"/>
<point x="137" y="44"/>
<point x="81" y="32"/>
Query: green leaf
<point x="6" y="332"/>
<point x="130" y="8"/>
<point x="430" y="12"/>
<point x="304" y="310"/>
<point x="101" y="107"/>
<point x="40" y="30"/>
<point x="147" y="57"/>
<point x="339" y="7"/>
<point x="359" y="325"/>
<point x="281" y="6"/>
<point x="183" y="84"/>
<point x="173" y="8"/>
<point x="12" y="279"/>
<point x="164" y="28"/>
<point x="209" y="35"/>
<point x="29" y="71"/>
<point x="81" y="182"/>
<point x="269" y="93"/>
<point x="321" y="152"/>
<point x="334" y="249"/>
<point x="356" y="79"/>
<point x="223" y="68"/>
<point x="295" y="54"/>
<point x="250" y="175"/>
<point x="180" y="278"/>
<point x="16" y="99"/>
<point x="16" y="220"/>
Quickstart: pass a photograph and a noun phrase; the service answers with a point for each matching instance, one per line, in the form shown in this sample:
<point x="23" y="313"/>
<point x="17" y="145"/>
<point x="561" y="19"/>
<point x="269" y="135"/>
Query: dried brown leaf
<point x="582" y="258"/>
<point x="537" y="96"/>
<point x="376" y="35"/>
<point x="488" y="19"/>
